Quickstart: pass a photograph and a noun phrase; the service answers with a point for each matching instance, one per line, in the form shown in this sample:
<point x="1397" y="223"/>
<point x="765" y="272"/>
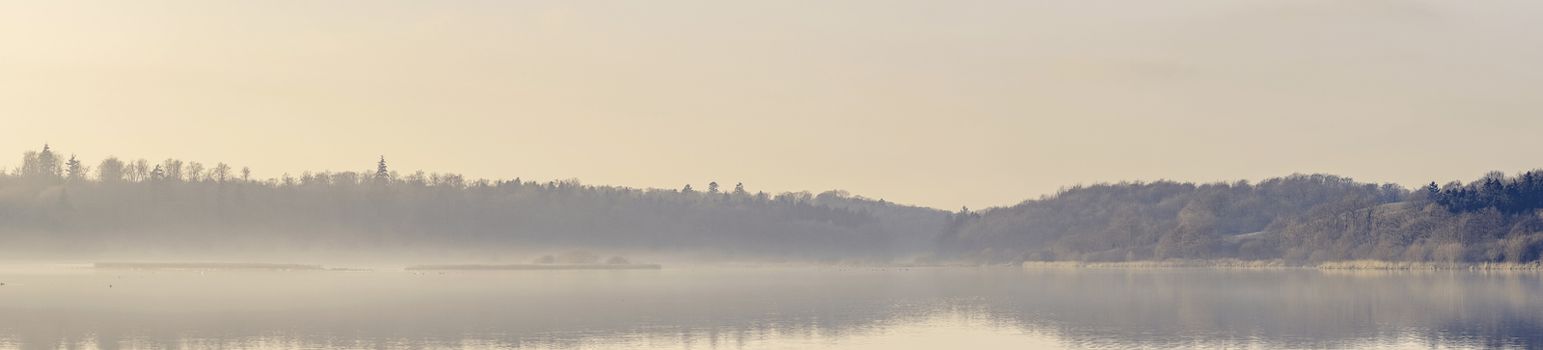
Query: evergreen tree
<point x="48" y="162"/>
<point x="381" y="173"/>
<point x="739" y="189"/>
<point x="712" y="187"/>
<point x="687" y="189"/>
<point x="73" y="170"/>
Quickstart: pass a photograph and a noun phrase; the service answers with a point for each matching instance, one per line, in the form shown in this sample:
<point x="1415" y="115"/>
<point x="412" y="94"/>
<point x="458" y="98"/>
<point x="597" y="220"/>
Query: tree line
<point x="184" y="205"/>
<point x="1298" y="218"/>
<point x="189" y="206"/>
<point x="1511" y="195"/>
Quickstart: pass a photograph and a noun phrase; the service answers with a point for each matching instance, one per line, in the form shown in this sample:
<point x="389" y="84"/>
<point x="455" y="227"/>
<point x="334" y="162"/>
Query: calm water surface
<point x="769" y="308"/>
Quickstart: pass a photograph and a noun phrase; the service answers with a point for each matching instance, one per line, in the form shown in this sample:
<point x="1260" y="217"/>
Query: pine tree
<point x="739" y="189"/>
<point x="687" y="189"/>
<point x="48" y="163"/>
<point x="712" y="187"/>
<point x="381" y="173"/>
<point x="73" y="170"/>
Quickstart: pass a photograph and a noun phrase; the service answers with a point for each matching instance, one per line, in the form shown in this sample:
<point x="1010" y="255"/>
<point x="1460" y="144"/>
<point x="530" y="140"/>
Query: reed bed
<point x="1163" y="264"/>
<point x="1426" y="266"/>
<point x="1279" y="264"/>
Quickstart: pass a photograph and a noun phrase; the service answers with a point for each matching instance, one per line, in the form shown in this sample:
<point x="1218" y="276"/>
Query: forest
<point x="1297" y="219"/>
<point x="58" y="202"/>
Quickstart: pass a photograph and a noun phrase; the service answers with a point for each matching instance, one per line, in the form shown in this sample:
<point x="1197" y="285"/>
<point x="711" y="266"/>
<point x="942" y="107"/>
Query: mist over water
<point x="707" y="174"/>
<point x="48" y="307"/>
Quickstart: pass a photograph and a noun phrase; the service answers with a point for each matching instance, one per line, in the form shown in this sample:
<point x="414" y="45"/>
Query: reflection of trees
<point x="1300" y="308"/>
<point x="726" y="308"/>
<point x="402" y="309"/>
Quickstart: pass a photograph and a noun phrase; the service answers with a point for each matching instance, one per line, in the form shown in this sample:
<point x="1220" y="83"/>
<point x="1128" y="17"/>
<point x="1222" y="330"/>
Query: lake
<point x="50" y="307"/>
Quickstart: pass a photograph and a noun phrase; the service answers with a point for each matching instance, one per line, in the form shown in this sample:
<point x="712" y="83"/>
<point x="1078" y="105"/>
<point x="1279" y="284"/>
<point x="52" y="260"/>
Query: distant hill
<point x="57" y="205"/>
<point x="1298" y="218"/>
<point x="176" y="206"/>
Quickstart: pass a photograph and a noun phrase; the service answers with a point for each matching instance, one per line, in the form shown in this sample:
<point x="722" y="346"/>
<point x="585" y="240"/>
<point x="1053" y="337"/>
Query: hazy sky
<point x="939" y="103"/>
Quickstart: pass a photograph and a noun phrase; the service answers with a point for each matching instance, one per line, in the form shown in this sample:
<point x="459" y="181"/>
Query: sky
<point x="935" y="103"/>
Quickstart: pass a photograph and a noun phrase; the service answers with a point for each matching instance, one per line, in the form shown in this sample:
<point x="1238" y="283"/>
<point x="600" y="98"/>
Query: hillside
<point x="53" y="205"/>
<point x="172" y="206"/>
<point x="1298" y="218"/>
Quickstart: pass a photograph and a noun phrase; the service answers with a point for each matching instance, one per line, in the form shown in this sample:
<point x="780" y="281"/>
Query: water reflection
<point x="771" y="308"/>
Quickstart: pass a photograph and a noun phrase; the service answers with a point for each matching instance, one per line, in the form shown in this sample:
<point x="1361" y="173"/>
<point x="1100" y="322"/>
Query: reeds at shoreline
<point x="1430" y="266"/>
<point x="1279" y="264"/>
<point x="1157" y="264"/>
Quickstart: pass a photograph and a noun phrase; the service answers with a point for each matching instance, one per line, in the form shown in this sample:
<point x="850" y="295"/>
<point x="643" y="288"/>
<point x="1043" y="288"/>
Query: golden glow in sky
<point x="924" y="102"/>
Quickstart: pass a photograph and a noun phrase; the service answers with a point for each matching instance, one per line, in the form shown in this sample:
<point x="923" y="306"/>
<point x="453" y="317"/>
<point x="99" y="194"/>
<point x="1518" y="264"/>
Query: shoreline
<point x="1280" y="264"/>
